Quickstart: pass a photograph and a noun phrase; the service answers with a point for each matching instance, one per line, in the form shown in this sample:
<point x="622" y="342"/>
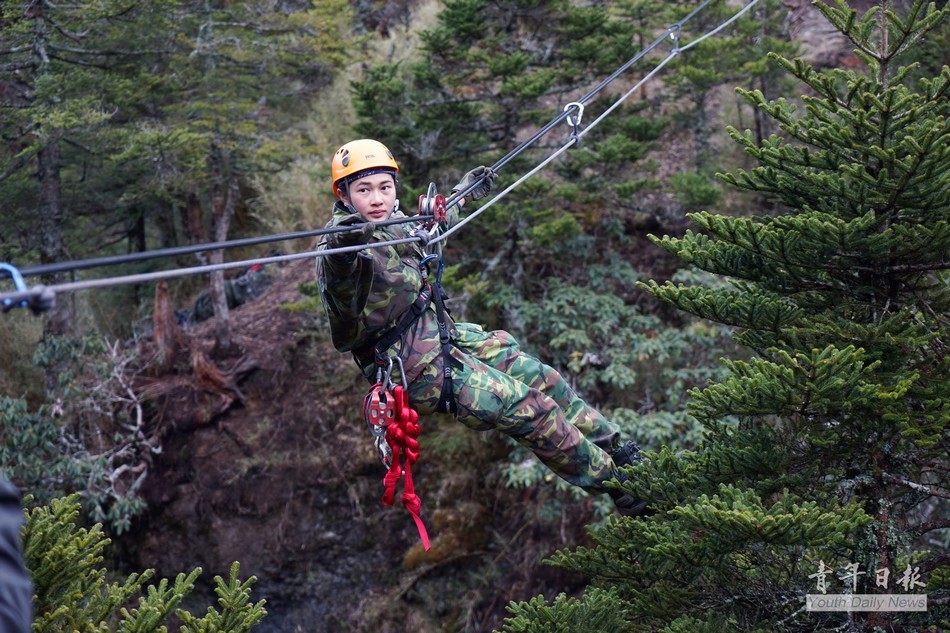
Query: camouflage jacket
<point x="366" y="294"/>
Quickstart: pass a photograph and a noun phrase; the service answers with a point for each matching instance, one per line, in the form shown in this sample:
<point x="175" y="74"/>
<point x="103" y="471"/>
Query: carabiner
<point x="388" y="380"/>
<point x="574" y="123"/>
<point x="402" y="373"/>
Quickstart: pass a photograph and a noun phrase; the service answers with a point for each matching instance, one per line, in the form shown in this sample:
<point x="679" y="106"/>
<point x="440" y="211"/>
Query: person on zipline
<point x="380" y="307"/>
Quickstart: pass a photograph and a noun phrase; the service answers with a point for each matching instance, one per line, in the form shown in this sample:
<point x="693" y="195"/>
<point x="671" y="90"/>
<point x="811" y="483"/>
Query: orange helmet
<point x="362" y="157"/>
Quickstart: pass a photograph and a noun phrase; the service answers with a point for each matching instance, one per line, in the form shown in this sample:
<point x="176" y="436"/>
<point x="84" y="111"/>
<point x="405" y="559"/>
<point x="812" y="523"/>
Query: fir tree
<point x="824" y="464"/>
<point x="72" y="591"/>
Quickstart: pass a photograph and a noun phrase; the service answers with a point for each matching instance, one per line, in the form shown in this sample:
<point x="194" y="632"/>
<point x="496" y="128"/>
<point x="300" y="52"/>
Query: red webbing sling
<point x="402" y="436"/>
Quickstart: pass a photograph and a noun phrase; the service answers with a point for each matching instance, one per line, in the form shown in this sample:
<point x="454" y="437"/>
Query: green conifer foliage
<point x="72" y="591"/>
<point x="825" y="454"/>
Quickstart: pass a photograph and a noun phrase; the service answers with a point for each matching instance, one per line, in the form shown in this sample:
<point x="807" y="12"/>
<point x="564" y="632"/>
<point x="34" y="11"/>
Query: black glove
<point x="483" y="188"/>
<point x="360" y="234"/>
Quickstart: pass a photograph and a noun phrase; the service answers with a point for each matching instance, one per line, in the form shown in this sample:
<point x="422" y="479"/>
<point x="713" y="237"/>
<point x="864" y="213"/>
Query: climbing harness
<point x="395" y="429"/>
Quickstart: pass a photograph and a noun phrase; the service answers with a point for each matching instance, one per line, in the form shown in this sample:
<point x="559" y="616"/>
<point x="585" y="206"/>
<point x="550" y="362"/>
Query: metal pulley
<point x="379" y="411"/>
<point x="433" y="204"/>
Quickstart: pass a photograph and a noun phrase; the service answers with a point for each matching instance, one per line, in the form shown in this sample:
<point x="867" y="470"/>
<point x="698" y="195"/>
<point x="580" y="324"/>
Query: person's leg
<point x="491" y="399"/>
<point x="500" y="350"/>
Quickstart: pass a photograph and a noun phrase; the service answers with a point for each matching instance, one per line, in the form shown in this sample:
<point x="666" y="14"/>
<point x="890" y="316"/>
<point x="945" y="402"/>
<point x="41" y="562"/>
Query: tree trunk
<point x="50" y="239"/>
<point x="223" y="203"/>
<point x="59" y="321"/>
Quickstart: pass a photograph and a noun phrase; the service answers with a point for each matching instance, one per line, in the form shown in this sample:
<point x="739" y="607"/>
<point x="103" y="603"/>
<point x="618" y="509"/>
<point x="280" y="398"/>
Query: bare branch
<point x="930" y="526"/>
<point x="933" y="492"/>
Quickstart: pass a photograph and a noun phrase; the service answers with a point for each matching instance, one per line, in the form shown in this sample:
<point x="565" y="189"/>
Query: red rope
<point x="401" y="435"/>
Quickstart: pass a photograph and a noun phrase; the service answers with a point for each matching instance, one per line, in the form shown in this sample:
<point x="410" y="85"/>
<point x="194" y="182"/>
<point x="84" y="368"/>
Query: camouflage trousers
<point x="497" y="386"/>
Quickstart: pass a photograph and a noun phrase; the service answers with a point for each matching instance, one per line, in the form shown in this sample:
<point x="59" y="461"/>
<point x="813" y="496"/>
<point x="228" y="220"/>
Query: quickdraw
<point x="395" y="429"/>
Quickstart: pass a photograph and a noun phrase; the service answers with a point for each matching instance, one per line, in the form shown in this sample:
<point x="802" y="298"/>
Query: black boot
<point x="628" y="505"/>
<point x="627" y="454"/>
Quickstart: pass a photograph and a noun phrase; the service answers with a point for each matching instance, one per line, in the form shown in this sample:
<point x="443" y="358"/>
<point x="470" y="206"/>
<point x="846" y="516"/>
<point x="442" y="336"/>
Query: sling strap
<point x="446" y="402"/>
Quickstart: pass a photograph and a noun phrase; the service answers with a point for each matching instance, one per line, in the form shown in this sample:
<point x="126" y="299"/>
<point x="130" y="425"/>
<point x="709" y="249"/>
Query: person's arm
<point x="16" y="588"/>
<point x="344" y="282"/>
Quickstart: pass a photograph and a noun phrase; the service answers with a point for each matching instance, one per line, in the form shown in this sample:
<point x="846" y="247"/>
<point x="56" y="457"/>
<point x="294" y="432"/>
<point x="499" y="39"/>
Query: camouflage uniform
<point x="496" y="385"/>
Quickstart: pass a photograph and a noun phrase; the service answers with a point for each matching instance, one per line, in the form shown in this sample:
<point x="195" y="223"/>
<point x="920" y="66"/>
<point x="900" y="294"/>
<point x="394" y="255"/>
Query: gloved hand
<point x="353" y="237"/>
<point x="483" y="188"/>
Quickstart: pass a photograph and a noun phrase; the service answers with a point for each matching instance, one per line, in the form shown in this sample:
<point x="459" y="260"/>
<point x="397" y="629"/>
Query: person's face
<point x="372" y="196"/>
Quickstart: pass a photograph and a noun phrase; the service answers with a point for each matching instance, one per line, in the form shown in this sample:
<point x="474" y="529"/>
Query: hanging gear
<point x="362" y="157"/>
<point x="395" y="429"/>
<point x="573" y="121"/>
<point x="379" y="411"/>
